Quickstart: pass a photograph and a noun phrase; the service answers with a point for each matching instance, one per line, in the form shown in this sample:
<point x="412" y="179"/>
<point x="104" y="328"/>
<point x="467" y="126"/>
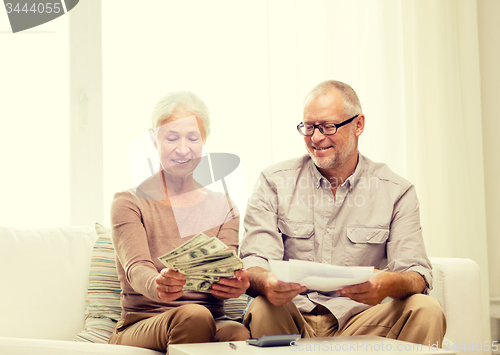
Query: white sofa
<point x="44" y="276"/>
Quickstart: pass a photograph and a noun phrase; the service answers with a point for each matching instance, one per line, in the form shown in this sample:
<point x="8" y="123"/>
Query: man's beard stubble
<point x="339" y="157"/>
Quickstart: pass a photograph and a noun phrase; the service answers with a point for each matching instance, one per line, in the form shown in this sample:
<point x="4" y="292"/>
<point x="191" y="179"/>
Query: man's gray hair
<point x="185" y="100"/>
<point x="352" y="106"/>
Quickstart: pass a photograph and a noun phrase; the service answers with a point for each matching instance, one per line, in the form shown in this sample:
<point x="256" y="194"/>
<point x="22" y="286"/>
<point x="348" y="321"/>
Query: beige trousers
<point x="417" y="319"/>
<point x="191" y="323"/>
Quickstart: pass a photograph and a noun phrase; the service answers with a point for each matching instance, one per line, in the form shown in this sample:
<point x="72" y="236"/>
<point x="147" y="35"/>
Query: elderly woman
<point x="161" y="214"/>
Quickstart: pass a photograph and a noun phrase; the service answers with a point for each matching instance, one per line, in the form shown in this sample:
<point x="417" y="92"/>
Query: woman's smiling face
<point x="179" y="143"/>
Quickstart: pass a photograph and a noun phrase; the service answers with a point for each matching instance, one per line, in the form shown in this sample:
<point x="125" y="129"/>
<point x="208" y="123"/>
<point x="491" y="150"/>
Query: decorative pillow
<point x="103" y="308"/>
<point x="236" y="307"/>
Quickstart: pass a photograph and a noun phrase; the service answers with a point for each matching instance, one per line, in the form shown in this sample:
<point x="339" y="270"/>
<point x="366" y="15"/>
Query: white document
<point x="320" y="277"/>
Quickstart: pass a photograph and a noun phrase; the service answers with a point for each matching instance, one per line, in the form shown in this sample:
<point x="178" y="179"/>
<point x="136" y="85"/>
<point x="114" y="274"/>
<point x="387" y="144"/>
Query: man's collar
<point x="354" y="178"/>
<point x="350" y="181"/>
<point x="316" y="175"/>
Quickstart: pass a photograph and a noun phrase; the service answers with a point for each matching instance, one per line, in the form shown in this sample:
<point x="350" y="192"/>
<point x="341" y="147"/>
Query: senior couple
<point x="363" y="215"/>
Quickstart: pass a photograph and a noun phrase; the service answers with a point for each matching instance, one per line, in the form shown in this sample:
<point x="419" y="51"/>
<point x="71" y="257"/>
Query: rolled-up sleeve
<point x="405" y="248"/>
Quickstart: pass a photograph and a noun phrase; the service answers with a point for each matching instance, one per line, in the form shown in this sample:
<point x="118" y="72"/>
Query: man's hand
<point x="371" y="292"/>
<point x="385" y="284"/>
<point x="169" y="284"/>
<point x="231" y="288"/>
<point x="277" y="292"/>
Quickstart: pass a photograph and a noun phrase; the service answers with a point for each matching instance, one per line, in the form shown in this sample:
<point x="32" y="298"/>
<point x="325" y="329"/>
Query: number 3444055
<point x="473" y="345"/>
<point x="47" y="8"/>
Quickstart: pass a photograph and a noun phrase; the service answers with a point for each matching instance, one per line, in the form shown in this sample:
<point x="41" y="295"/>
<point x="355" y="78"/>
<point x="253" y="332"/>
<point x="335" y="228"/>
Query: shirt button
<point x="328" y="230"/>
<point x="367" y="238"/>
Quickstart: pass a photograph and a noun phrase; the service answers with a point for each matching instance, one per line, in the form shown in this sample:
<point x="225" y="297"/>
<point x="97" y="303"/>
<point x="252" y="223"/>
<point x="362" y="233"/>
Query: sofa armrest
<point x="457" y="287"/>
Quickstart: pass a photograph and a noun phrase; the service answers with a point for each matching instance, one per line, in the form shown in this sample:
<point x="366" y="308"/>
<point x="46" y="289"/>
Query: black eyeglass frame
<point x="320" y="127"/>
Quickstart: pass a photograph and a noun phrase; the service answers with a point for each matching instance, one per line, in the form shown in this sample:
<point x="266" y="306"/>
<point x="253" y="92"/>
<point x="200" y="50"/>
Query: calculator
<point x="274" y="340"/>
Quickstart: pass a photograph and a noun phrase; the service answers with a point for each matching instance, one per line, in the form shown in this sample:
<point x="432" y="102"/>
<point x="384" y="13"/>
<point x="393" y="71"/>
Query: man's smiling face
<point x="329" y="151"/>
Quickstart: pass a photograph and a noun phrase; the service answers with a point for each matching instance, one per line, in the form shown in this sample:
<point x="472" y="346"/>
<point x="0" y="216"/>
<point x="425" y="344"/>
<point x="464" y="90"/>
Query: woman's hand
<point x="232" y="288"/>
<point x="169" y="284"/>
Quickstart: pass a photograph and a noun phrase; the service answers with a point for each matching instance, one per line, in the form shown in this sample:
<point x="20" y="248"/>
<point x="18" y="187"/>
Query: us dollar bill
<point x="198" y="284"/>
<point x="191" y="263"/>
<point x="208" y="247"/>
<point x="210" y="270"/>
<point x="204" y="261"/>
<point x="196" y="240"/>
<point x="221" y="266"/>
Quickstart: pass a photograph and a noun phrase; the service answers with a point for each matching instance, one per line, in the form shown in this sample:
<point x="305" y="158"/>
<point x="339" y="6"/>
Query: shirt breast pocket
<point x="298" y="239"/>
<point x="366" y="246"/>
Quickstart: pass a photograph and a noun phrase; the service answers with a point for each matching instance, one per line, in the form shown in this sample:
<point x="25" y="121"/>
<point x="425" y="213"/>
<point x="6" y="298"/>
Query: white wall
<point x="489" y="38"/>
<point x="34" y="117"/>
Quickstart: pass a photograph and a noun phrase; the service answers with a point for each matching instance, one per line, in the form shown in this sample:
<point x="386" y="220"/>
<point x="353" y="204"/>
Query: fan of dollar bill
<point x="203" y="260"/>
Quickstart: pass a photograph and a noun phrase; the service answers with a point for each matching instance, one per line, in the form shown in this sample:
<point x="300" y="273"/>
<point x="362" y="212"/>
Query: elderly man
<point x="335" y="206"/>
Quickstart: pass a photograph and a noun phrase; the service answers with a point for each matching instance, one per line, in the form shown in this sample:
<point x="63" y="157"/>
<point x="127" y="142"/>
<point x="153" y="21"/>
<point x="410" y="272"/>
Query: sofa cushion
<point x="103" y="297"/>
<point x="11" y="346"/>
<point x="44" y="281"/>
<point x="457" y="285"/>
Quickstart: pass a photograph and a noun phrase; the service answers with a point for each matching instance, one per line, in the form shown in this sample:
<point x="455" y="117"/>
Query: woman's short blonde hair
<point x="186" y="100"/>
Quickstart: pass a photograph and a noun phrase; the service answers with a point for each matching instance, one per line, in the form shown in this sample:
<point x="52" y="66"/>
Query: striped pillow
<point x="97" y="330"/>
<point x="235" y="307"/>
<point x="103" y="296"/>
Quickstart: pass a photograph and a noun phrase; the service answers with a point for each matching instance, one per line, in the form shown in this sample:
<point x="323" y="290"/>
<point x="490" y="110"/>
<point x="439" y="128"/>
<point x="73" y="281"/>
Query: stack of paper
<point x="320" y="277"/>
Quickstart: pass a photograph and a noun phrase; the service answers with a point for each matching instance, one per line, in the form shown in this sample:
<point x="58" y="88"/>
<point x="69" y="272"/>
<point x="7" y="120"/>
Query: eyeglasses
<point x="326" y="129"/>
